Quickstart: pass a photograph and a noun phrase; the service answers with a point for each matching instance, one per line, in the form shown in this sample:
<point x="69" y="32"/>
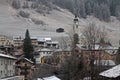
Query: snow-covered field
<point x="11" y="25"/>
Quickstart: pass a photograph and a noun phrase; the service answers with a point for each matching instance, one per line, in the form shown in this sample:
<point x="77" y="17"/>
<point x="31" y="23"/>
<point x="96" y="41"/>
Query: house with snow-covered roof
<point x="7" y="68"/>
<point x="41" y="54"/>
<point x="105" y="56"/>
<point x="24" y="67"/>
<point x="4" y="41"/>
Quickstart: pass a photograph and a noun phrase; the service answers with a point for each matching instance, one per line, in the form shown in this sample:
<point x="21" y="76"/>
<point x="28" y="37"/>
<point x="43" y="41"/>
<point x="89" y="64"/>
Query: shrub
<point x="24" y="14"/>
<point x="16" y="4"/>
<point x="38" y="22"/>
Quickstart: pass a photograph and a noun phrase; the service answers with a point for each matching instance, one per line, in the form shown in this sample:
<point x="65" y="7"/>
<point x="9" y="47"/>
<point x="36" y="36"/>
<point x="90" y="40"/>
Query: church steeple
<point x="75" y="24"/>
<point x="76" y="19"/>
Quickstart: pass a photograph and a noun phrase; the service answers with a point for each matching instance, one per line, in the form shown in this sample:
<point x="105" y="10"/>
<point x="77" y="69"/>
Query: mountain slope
<point x="11" y="24"/>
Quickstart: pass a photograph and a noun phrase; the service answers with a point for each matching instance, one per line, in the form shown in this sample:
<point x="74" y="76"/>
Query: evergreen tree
<point x="117" y="12"/>
<point x="26" y="5"/>
<point x="88" y="8"/>
<point x="16" y="4"/>
<point x="118" y="56"/>
<point x="76" y="39"/>
<point x="27" y="46"/>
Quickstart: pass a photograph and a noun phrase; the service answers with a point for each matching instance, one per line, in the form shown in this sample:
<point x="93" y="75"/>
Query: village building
<point x="42" y="41"/>
<point x="4" y="41"/>
<point x="6" y="49"/>
<point x="7" y="68"/>
<point x="17" y="41"/>
<point x="24" y="67"/>
<point x="52" y="44"/>
<point x="48" y="43"/>
<point x="41" y="54"/>
<point x="62" y="54"/>
<point x="106" y="55"/>
<point x="34" y="41"/>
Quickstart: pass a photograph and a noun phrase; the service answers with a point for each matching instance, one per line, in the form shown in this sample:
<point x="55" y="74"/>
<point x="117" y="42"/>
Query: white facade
<point x="47" y="42"/>
<point x="4" y="41"/>
<point x="42" y="41"/>
<point x="17" y="41"/>
<point x="7" y="66"/>
<point x="43" y="53"/>
<point x="52" y="44"/>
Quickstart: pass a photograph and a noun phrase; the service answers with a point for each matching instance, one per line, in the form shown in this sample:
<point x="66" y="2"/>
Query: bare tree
<point x="16" y="4"/>
<point x="63" y="43"/>
<point x="93" y="35"/>
<point x="25" y="5"/>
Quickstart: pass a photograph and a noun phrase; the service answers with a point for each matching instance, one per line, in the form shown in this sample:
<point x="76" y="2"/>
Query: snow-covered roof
<point x="41" y="39"/>
<point x="111" y="73"/>
<point x="13" y="78"/>
<point x="39" y="79"/>
<point x="51" y="78"/>
<point x="104" y="62"/>
<point x="45" y="49"/>
<point x="111" y="47"/>
<point x="28" y="60"/>
<point x="111" y="51"/>
<point x="97" y="47"/>
<point x="44" y="39"/>
<point x="33" y="37"/>
<point x="53" y="42"/>
<point x="7" y="56"/>
<point x="47" y="39"/>
<point x="58" y="50"/>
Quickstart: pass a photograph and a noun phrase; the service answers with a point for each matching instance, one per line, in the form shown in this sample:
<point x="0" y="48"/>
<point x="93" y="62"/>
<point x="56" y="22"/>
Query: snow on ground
<point x="49" y="78"/>
<point x="112" y="73"/>
<point x="11" y="25"/>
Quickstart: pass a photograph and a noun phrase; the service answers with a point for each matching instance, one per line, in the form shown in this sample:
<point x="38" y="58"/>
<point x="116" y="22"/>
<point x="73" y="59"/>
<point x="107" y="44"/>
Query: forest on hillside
<point x="102" y="9"/>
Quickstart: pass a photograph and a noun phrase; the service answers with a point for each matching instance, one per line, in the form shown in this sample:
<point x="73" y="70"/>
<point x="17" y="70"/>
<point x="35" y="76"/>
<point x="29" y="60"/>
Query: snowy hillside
<point x="11" y="24"/>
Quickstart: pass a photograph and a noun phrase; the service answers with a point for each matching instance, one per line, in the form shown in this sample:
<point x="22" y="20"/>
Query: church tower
<point x="75" y="25"/>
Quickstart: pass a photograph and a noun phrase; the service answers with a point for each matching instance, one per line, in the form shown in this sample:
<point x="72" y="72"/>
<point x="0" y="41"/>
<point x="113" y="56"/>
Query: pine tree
<point x="118" y="56"/>
<point x="16" y="4"/>
<point x="76" y="39"/>
<point x="27" y="46"/>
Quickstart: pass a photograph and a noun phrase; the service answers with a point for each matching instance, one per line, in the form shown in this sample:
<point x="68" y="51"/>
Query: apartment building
<point x="7" y="67"/>
<point x="4" y="41"/>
